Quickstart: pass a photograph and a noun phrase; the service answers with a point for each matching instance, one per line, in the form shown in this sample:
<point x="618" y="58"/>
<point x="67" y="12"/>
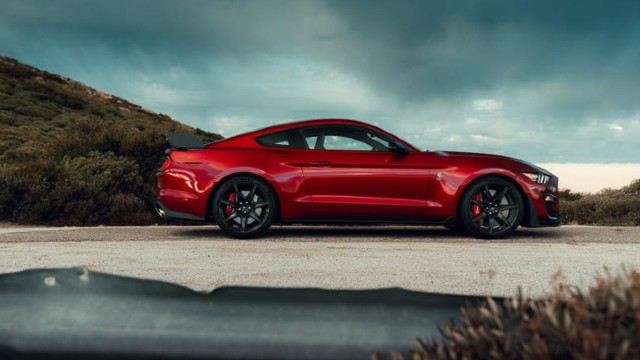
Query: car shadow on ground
<point x="373" y="233"/>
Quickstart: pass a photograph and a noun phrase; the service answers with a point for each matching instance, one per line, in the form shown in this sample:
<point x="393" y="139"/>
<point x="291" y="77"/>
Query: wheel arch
<point x="221" y="181"/>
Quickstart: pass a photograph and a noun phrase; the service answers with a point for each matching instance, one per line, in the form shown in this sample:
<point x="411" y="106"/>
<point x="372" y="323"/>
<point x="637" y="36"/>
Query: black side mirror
<point x="398" y="148"/>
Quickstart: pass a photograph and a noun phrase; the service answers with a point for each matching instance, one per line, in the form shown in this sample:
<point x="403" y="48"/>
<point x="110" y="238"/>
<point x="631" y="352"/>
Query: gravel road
<point x="351" y="257"/>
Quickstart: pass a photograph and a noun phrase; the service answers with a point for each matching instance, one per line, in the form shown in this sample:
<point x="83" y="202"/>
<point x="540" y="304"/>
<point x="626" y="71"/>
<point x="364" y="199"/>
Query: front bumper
<point x="533" y="220"/>
<point x="543" y="208"/>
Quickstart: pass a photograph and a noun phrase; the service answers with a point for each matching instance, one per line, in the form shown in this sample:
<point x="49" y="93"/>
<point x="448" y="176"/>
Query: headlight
<point x="537" y="178"/>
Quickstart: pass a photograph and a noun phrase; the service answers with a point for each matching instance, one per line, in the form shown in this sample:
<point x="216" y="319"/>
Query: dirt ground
<point x="350" y="257"/>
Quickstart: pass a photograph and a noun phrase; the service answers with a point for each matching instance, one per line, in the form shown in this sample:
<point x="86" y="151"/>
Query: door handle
<point x="318" y="163"/>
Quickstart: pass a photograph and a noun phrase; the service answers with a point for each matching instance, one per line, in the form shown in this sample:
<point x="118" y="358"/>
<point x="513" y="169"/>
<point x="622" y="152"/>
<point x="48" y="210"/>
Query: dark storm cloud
<point x="417" y="49"/>
<point x="501" y="76"/>
<point x="425" y="49"/>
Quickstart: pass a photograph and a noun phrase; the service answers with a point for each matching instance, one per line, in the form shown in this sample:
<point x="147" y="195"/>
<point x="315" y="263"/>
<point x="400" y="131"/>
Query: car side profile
<point x="346" y="171"/>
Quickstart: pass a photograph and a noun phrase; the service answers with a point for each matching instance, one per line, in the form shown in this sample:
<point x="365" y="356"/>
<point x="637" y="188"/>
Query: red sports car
<point x="333" y="170"/>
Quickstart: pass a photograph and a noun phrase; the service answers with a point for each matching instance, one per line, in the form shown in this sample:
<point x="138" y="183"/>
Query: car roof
<point x="246" y="139"/>
<point x="296" y="124"/>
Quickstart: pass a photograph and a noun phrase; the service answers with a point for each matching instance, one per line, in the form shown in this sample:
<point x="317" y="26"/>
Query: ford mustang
<point x="346" y="171"/>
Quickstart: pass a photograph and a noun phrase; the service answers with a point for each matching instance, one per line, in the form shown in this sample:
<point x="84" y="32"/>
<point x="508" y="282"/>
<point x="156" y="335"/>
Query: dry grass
<point x="608" y="207"/>
<point x="603" y="323"/>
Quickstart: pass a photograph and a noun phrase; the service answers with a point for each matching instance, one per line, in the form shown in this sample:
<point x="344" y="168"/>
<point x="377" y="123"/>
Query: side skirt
<point x="450" y="221"/>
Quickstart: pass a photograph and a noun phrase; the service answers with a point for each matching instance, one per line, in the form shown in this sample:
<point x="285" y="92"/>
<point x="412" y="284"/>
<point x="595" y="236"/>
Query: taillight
<point x="166" y="164"/>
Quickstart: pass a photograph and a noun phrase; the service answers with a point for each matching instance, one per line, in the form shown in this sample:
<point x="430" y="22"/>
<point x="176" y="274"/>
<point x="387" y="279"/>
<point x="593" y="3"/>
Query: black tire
<point x="491" y="208"/>
<point x="244" y="207"/>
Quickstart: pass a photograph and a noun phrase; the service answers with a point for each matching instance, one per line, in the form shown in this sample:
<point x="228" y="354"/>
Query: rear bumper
<point x="166" y="213"/>
<point x="179" y="195"/>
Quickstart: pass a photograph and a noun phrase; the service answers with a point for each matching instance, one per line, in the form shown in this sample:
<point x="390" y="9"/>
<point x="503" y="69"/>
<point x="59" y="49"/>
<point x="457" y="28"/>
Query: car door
<point x="353" y="171"/>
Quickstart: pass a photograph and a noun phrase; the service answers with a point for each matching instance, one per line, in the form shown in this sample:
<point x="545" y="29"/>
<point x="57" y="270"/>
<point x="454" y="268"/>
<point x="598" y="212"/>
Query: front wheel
<point x="491" y="208"/>
<point x="244" y="207"/>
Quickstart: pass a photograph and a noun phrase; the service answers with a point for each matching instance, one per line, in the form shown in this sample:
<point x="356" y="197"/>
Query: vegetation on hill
<point x="72" y="155"/>
<point x="608" y="207"/>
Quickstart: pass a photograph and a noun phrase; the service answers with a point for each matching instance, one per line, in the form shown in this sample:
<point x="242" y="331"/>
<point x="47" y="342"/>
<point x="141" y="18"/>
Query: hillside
<point x="72" y="155"/>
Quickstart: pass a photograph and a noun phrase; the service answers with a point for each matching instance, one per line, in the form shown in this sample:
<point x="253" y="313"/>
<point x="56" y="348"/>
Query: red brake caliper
<point x="475" y="210"/>
<point x="228" y="209"/>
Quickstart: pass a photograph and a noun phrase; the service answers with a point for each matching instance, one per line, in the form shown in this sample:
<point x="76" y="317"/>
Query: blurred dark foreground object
<point x="75" y="313"/>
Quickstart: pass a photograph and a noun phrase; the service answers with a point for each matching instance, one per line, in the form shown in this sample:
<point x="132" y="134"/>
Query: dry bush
<point x="99" y="188"/>
<point x="604" y="323"/>
<point x="106" y="177"/>
<point x="608" y="207"/>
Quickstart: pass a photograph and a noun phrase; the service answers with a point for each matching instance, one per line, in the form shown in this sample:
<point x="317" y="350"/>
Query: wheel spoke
<point x="228" y="203"/>
<point x="499" y="196"/>
<point x="238" y="192"/>
<point x="253" y="191"/>
<point x="256" y="218"/>
<point x="477" y="203"/>
<point x="490" y="226"/>
<point x="487" y="194"/>
<point x="508" y="207"/>
<point x="231" y="216"/>
<point x="501" y="219"/>
<point x="479" y="217"/>
<point x="260" y="204"/>
<point x="243" y="223"/>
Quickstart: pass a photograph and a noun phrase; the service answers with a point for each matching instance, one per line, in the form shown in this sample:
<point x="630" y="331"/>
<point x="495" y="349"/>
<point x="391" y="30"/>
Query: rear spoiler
<point x="184" y="141"/>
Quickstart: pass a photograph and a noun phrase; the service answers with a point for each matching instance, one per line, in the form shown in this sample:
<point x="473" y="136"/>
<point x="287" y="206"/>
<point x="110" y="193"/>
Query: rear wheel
<point x="491" y="208"/>
<point x="244" y="207"/>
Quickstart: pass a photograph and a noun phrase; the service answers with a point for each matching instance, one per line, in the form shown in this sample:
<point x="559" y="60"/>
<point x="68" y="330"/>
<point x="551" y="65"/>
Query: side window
<point x="286" y="139"/>
<point x="312" y="141"/>
<point x="344" y="137"/>
<point x="345" y="142"/>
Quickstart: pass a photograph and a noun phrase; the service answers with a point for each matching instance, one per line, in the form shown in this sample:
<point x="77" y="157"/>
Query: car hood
<point x="490" y="156"/>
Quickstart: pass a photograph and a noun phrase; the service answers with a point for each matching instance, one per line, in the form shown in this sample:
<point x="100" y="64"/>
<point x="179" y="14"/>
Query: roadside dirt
<point x="351" y="257"/>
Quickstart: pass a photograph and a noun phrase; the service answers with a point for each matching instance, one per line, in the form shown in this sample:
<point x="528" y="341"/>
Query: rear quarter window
<point x="282" y="139"/>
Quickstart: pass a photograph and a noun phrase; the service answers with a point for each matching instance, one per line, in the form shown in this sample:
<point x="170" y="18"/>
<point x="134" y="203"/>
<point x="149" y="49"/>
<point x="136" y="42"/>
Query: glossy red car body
<point x="320" y="185"/>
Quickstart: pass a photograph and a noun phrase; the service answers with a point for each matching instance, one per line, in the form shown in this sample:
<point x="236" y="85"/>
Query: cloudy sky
<point x="547" y="81"/>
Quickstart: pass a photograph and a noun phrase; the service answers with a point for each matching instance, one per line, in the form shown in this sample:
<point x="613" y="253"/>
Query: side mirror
<point x="398" y="148"/>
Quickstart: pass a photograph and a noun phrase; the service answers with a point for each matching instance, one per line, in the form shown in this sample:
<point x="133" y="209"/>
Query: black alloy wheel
<point x="491" y="208"/>
<point x="244" y="207"/>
